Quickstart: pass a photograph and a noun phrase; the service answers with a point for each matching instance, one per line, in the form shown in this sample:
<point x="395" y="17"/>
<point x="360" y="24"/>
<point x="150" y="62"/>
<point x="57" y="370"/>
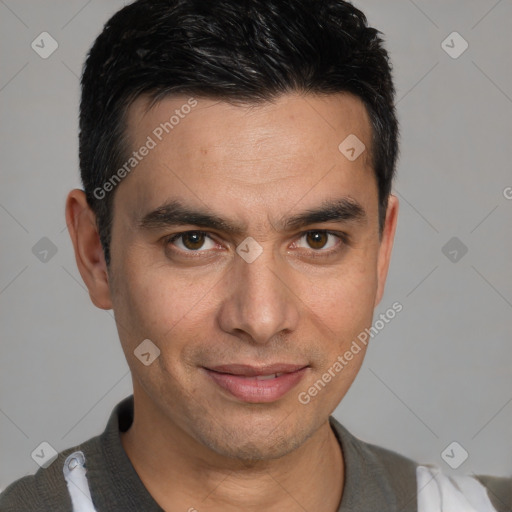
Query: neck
<point x="309" y="478"/>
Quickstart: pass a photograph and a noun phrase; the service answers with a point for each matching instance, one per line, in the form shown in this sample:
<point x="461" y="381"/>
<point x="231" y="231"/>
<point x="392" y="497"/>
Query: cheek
<point x="343" y="301"/>
<point x="152" y="304"/>
<point x="156" y="302"/>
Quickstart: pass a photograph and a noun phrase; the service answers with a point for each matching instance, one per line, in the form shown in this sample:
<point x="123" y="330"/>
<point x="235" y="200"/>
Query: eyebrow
<point x="174" y="213"/>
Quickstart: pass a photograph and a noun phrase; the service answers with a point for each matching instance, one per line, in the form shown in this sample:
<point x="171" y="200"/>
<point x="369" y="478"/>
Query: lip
<point x="255" y="384"/>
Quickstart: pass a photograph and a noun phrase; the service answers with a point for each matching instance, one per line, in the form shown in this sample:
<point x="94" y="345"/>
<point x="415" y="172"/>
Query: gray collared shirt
<point x="376" y="479"/>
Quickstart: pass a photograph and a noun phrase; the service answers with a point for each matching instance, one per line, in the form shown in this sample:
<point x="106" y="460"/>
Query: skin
<point x="254" y="166"/>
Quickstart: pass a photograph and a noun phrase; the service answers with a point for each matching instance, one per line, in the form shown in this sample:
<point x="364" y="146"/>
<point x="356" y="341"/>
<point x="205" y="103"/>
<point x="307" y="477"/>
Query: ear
<point x="90" y="260"/>
<point x="386" y="244"/>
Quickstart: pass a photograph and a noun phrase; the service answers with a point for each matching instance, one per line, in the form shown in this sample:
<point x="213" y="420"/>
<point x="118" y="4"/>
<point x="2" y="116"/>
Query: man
<point x="237" y="159"/>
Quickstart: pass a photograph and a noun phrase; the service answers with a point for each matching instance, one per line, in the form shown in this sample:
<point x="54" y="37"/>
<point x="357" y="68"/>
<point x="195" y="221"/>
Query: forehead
<point x="298" y="117"/>
<point x="212" y="151"/>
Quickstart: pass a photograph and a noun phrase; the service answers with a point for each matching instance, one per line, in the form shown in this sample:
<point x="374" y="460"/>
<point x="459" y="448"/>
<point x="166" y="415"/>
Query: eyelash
<point x="343" y="237"/>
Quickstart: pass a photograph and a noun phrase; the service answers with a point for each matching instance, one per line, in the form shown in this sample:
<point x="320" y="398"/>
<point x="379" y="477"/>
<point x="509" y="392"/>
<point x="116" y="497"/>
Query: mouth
<point x="253" y="384"/>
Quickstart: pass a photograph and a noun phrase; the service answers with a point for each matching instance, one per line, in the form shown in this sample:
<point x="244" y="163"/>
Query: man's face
<point x="218" y="316"/>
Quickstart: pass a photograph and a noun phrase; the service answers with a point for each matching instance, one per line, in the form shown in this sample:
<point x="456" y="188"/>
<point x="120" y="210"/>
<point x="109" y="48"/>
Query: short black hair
<point x="248" y="51"/>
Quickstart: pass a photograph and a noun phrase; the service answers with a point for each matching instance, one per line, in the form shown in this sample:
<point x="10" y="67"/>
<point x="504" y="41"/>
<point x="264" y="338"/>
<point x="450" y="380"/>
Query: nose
<point x="260" y="302"/>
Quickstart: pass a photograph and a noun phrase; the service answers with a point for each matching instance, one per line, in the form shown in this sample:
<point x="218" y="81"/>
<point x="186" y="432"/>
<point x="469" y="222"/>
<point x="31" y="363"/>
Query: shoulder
<point x="499" y="490"/>
<point x="20" y="495"/>
<point x="468" y="493"/>
<point x="417" y="487"/>
<point x="46" y="490"/>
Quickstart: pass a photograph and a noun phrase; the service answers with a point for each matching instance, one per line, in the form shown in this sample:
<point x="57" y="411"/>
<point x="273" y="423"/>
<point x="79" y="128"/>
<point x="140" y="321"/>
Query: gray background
<point x="441" y="371"/>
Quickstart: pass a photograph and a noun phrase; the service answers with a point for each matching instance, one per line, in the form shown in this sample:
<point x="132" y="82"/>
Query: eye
<point x="323" y="242"/>
<point x="191" y="241"/>
<point x="319" y="241"/>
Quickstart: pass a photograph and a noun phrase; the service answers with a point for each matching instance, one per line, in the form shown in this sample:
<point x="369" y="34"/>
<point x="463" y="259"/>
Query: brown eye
<point x="193" y="240"/>
<point x="317" y="239"/>
<point x="322" y="243"/>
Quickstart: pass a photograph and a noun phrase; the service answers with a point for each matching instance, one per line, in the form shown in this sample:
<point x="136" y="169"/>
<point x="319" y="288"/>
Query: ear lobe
<point x="90" y="259"/>
<point x="386" y="244"/>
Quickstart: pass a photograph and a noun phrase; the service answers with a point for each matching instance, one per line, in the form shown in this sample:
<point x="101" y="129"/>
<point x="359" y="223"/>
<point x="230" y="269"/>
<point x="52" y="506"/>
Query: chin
<point x="258" y="450"/>
<point x="252" y="442"/>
